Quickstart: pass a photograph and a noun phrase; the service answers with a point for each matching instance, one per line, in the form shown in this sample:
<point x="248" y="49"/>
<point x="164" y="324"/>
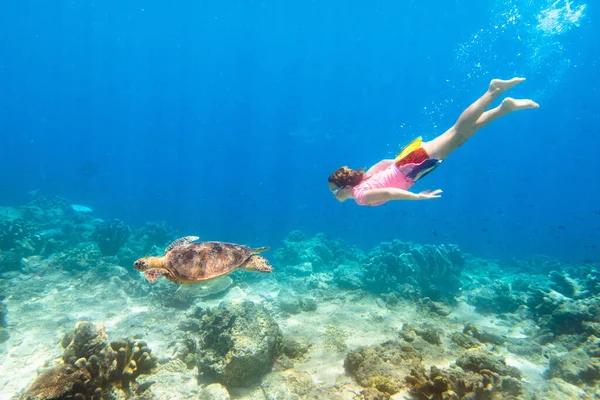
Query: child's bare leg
<point x="466" y="125"/>
<point x="508" y="105"/>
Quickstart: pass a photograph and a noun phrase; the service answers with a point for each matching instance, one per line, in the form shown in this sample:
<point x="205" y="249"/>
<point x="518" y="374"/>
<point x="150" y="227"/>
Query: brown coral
<point x="455" y="383"/>
<point x="92" y="367"/>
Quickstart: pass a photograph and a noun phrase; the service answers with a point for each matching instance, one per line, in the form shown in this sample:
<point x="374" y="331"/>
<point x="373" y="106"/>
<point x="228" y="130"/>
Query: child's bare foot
<point x="509" y="104"/>
<point x="498" y="86"/>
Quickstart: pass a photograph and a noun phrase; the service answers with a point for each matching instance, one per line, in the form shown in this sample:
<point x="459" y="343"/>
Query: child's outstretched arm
<point x="377" y="195"/>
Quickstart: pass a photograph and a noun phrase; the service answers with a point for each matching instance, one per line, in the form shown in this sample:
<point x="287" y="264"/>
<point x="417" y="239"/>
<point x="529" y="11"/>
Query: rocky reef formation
<point x="301" y="255"/>
<point x="386" y="369"/>
<point x="48" y="225"/>
<point x="93" y="368"/>
<point x="409" y="270"/>
<point x="238" y="343"/>
<point x="414" y="270"/>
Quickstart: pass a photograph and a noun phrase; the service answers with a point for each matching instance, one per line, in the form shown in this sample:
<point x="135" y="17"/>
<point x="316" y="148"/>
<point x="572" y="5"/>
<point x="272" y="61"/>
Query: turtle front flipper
<point x="181" y="242"/>
<point x="257" y="264"/>
<point x="152" y="274"/>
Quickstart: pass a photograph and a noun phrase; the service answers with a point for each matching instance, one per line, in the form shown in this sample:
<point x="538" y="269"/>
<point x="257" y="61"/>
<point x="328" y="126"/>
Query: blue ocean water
<point x="125" y="125"/>
<point x="225" y="119"/>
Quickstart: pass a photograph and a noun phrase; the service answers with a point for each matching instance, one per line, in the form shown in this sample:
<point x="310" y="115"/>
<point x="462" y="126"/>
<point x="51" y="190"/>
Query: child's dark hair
<point x="345" y="176"/>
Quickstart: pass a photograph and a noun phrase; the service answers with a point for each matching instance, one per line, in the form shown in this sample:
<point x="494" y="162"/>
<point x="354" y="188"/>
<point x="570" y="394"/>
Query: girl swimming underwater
<point x="390" y="179"/>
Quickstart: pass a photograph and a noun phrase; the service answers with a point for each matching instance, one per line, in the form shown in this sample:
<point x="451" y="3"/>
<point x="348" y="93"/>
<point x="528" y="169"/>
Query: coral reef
<point x="382" y="367"/>
<point x="154" y="234"/>
<point x="455" y="383"/>
<point x="111" y="235"/>
<point x="301" y="255"/>
<point x="238" y="343"/>
<point x="431" y="271"/>
<point x="92" y="368"/>
<point x="496" y="298"/>
<point x="579" y="366"/>
<point x="564" y="284"/>
<point x="288" y="385"/>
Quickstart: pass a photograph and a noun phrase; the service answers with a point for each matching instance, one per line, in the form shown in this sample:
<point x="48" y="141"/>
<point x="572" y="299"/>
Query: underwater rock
<point x="383" y="366"/>
<point x="497" y="298"/>
<point x="348" y="277"/>
<point x="295" y="348"/>
<point x="292" y="385"/>
<point x="214" y="391"/>
<point x="85" y="341"/>
<point x="61" y="382"/>
<point x="526" y="347"/>
<point x="465" y="341"/>
<point x="576" y="367"/>
<point x="564" y="284"/>
<point x="478" y="360"/>
<point x="436" y="307"/>
<point x="238" y="343"/>
<point x="111" y="235"/>
<point x="482" y="335"/>
<point x="425" y="332"/>
<point x="570" y="317"/>
<point x="543" y="302"/>
<point x="434" y="270"/>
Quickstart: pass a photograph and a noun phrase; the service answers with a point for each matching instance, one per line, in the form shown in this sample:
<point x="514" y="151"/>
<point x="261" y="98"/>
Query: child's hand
<point x="428" y="194"/>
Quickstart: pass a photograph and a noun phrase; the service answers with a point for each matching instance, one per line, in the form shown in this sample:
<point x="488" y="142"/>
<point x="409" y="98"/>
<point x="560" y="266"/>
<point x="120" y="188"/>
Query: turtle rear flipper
<point x="257" y="264"/>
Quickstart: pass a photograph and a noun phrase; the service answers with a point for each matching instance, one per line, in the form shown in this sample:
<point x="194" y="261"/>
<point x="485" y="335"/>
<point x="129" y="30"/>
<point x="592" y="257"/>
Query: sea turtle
<point x="185" y="262"/>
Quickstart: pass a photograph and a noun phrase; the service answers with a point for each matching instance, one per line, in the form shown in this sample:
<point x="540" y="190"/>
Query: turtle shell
<point x="197" y="262"/>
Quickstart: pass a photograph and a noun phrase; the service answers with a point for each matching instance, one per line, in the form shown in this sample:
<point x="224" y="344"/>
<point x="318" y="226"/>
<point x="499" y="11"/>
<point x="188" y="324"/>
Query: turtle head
<point x="141" y="264"/>
<point x="257" y="264"/>
<point x="145" y="263"/>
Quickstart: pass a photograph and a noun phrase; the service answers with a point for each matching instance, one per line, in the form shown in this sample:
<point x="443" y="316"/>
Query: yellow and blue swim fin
<point x="412" y="146"/>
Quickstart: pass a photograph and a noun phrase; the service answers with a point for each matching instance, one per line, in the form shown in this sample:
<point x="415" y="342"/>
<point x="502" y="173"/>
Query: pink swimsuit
<point x="402" y="174"/>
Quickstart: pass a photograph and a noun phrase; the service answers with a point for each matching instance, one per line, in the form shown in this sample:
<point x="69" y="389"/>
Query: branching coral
<point x="92" y="367"/>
